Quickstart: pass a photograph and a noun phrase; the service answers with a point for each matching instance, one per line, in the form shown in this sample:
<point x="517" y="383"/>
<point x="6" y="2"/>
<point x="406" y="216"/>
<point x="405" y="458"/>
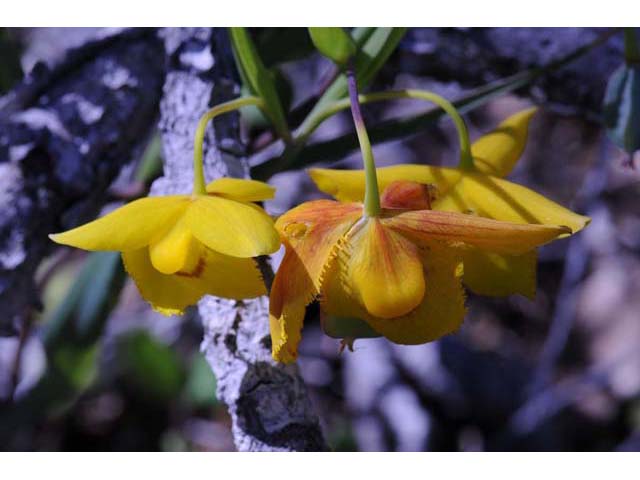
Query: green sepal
<point x="347" y="328"/>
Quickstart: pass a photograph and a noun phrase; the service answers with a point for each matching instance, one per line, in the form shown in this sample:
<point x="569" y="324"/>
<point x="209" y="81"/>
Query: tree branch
<point x="268" y="402"/>
<point x="65" y="134"/>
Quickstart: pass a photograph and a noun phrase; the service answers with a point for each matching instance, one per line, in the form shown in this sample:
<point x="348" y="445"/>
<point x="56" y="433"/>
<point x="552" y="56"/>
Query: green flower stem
<point x="199" y="184"/>
<point x="371" y="193"/>
<point x="631" y="48"/>
<point x="466" y="160"/>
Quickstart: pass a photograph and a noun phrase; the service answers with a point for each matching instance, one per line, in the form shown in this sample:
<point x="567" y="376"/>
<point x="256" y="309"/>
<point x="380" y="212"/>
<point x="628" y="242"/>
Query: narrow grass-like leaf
<point x="376" y="47"/>
<point x="82" y="314"/>
<point x="393" y="129"/>
<point x="258" y="78"/>
<point x="333" y="43"/>
<point x="621" y="109"/>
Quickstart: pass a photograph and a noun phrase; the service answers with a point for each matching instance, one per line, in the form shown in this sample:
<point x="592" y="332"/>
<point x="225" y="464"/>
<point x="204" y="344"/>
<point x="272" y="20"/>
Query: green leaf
<point x="71" y="331"/>
<point x="253" y="116"/>
<point x="361" y="34"/>
<point x="150" y="166"/>
<point x="375" y="53"/>
<point x="336" y="148"/>
<point x="83" y="312"/>
<point x="334" y="43"/>
<point x="78" y="365"/>
<point x="621" y="109"/>
<point x="201" y="383"/>
<point x="258" y="79"/>
<point x="376" y="47"/>
<point x="283" y="44"/>
<point x="97" y="300"/>
<point x="150" y="366"/>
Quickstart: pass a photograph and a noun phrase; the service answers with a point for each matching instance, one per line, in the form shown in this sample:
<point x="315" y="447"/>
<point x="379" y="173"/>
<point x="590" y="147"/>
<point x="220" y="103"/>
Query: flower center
<point x="176" y="251"/>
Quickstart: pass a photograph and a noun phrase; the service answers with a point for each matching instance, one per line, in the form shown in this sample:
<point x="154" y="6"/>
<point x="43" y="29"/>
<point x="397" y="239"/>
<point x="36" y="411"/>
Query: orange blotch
<point x="196" y="272"/>
<point x="408" y="195"/>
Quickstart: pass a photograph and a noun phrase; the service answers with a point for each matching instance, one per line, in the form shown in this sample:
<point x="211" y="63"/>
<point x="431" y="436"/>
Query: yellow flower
<point x="178" y="248"/>
<point x="399" y="272"/>
<point x="481" y="192"/>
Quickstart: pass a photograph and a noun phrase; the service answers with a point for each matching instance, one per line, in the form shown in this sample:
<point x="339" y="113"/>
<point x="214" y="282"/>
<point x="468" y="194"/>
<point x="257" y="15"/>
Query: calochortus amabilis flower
<point x="178" y="248"/>
<point x="393" y="263"/>
<point x="399" y="271"/>
<point x="479" y="191"/>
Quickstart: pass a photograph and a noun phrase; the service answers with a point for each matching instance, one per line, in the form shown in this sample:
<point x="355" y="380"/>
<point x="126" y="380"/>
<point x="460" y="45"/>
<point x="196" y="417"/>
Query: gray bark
<point x="268" y="402"/>
<point x="476" y="56"/>
<point x="65" y="134"/>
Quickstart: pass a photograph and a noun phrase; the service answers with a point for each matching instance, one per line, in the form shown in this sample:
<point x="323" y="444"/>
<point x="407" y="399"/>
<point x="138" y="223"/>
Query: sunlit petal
<point x="167" y="294"/>
<point x="484" y="233"/>
<point x="500" y="199"/>
<point x="176" y="250"/>
<point x="130" y="227"/>
<point x="232" y="228"/>
<point x="291" y="291"/>
<point x="440" y="312"/>
<point x="313" y="229"/>
<point x="383" y="270"/>
<point x="458" y="191"/>
<point x="231" y="277"/>
<point x="243" y="190"/>
<point x="348" y="185"/>
<point x="493" y="274"/>
<point x="497" y="152"/>
<point x="215" y="274"/>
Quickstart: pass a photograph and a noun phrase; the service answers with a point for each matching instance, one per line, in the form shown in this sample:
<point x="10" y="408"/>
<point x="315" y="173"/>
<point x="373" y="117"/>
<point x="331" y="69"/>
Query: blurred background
<point x="96" y="369"/>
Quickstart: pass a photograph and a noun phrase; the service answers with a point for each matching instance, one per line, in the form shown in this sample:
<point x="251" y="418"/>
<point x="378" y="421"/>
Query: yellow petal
<point x="457" y="191"/>
<point x="231" y="277"/>
<point x="500" y="199"/>
<point x="242" y="190"/>
<point x="232" y="228"/>
<point x="440" y="312"/>
<point x="314" y="228"/>
<point x="348" y="185"/>
<point x="497" y="152"/>
<point x="291" y="291"/>
<point x="484" y="233"/>
<point x="384" y="270"/>
<point x="500" y="275"/>
<point x="176" y="250"/>
<point x="310" y="234"/>
<point x="129" y="227"/>
<point x="215" y="274"/>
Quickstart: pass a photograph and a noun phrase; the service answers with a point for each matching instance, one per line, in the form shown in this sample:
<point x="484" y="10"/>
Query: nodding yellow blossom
<point x="178" y="248"/>
<point x="481" y="192"/>
<point x="399" y="272"/>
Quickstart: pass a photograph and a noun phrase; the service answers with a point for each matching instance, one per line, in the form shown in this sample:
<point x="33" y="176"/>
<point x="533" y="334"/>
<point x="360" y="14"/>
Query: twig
<point x="268" y="402"/>
<point x="105" y="93"/>
<point x="266" y="271"/>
